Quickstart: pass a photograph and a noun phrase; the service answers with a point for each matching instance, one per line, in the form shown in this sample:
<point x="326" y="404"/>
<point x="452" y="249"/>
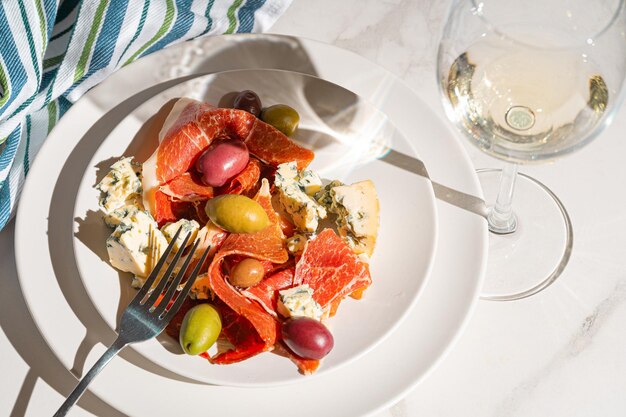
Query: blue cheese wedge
<point x="188" y="227"/>
<point x="136" y="244"/>
<point x="122" y="183"/>
<point x="310" y="182"/>
<point x="286" y="174"/>
<point x="357" y="212"/>
<point x="304" y="211"/>
<point x="324" y="197"/>
<point x="298" y="302"/>
<point x="121" y="214"/>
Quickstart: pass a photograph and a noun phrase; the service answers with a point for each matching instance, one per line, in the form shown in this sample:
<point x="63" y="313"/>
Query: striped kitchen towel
<point x="53" y="51"/>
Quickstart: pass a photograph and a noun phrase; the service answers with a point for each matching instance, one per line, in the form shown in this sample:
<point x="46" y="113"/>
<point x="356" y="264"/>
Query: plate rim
<point x="456" y="334"/>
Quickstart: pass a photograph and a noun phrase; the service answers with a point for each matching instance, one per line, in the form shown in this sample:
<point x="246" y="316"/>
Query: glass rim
<point x="497" y="29"/>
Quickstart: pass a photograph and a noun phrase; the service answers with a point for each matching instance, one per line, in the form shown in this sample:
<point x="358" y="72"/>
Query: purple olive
<point x="222" y="161"/>
<point x="307" y="337"/>
<point x="248" y="100"/>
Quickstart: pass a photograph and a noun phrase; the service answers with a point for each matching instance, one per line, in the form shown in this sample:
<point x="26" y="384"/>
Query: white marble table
<point x="560" y="353"/>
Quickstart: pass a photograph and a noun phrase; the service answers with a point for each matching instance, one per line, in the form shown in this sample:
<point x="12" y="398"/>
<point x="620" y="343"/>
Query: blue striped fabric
<point x="51" y="52"/>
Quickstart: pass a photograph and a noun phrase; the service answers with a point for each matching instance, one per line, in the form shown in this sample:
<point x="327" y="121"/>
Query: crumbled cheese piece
<point x="136" y="244"/>
<point x="357" y="212"/>
<point x="323" y="196"/>
<point x="304" y="211"/>
<point x="122" y="183"/>
<point x="138" y="282"/>
<point x="188" y="226"/>
<point x="363" y="258"/>
<point x="121" y="214"/>
<point x="311" y="182"/>
<point x="201" y="290"/>
<point x="298" y="302"/>
<point x="296" y="243"/>
<point x="286" y="173"/>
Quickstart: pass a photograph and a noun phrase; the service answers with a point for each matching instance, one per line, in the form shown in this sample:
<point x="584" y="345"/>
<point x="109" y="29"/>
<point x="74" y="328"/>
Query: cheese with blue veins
<point x="122" y="183"/>
<point x="190" y="227"/>
<point x="304" y="211"/>
<point x="357" y="212"/>
<point x="136" y="244"/>
<point x="298" y="302"/>
<point x="324" y="196"/>
<point x="309" y="181"/>
<point x="122" y="214"/>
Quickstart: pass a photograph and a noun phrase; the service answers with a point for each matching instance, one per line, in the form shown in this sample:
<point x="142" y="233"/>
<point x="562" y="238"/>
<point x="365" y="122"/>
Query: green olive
<point x="200" y="329"/>
<point x="247" y="273"/>
<point x="237" y="213"/>
<point x="282" y="117"/>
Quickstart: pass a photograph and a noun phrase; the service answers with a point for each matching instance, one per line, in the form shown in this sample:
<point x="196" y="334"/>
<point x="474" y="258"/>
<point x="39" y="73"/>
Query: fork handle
<point x="113" y="350"/>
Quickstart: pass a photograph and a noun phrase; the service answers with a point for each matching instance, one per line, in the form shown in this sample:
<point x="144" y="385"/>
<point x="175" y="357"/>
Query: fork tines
<point x="156" y="300"/>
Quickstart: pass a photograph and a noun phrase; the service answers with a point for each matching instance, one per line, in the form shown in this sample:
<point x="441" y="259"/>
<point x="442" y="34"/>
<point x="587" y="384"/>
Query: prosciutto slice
<point x="271" y="146"/>
<point x="331" y="269"/>
<point x="266" y="292"/>
<point x="196" y="127"/>
<point x="241" y="333"/>
<point x="192" y="126"/>
<point x="266" y="245"/>
<point x="305" y="366"/>
<point x="246" y="181"/>
<point x="172" y="211"/>
<point x="187" y="187"/>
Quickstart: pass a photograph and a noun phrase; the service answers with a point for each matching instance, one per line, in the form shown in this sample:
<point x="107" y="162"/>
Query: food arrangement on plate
<point x="285" y="247"/>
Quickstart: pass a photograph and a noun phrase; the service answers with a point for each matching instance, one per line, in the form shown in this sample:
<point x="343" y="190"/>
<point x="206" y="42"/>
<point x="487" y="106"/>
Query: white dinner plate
<point x="75" y="331"/>
<point x="347" y="134"/>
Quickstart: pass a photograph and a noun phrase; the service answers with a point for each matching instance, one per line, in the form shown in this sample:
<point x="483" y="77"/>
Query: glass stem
<point x="500" y="217"/>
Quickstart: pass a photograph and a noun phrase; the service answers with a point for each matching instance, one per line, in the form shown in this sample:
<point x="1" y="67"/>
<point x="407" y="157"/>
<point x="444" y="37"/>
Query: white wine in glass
<point x="525" y="104"/>
<point x="529" y="81"/>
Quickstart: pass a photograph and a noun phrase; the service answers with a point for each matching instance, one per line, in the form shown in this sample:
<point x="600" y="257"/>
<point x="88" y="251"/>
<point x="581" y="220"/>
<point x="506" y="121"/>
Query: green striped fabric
<point x="52" y="51"/>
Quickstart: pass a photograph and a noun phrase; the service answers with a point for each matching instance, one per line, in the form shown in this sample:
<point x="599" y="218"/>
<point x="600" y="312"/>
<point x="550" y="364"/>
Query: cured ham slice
<point x="266" y="292"/>
<point x="196" y="127"/>
<point x="187" y="187"/>
<point x="271" y="146"/>
<point x="172" y="211"/>
<point x="241" y="333"/>
<point x="246" y="181"/>
<point x="305" y="366"/>
<point x="265" y="245"/>
<point x="192" y="126"/>
<point x="331" y="268"/>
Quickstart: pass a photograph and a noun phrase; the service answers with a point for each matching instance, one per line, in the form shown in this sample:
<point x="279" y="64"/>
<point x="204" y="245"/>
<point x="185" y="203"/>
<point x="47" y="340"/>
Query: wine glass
<point x="527" y="82"/>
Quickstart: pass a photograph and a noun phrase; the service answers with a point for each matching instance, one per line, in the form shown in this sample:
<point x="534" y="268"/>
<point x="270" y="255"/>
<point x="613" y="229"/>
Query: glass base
<point x="528" y="260"/>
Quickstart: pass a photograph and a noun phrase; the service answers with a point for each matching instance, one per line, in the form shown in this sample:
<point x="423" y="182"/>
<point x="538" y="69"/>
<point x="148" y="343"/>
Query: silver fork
<point x="142" y="320"/>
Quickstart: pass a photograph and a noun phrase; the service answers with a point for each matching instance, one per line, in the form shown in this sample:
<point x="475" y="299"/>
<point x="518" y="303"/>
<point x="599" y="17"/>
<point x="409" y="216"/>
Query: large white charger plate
<point x="348" y="135"/>
<point x="66" y="317"/>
